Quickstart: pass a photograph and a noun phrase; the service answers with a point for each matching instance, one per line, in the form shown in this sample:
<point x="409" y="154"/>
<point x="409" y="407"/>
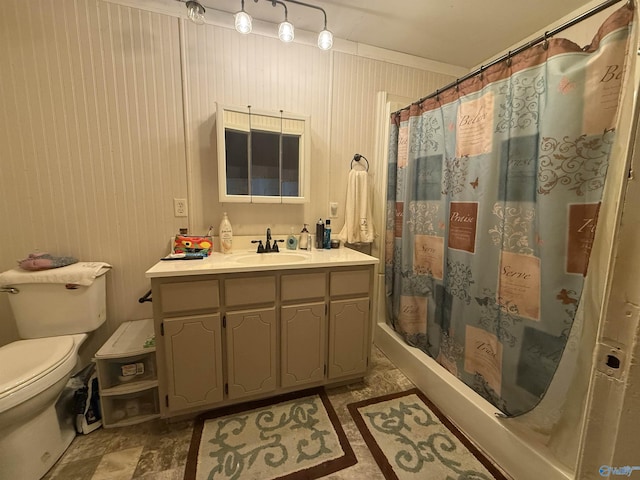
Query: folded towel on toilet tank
<point x="80" y="273"/>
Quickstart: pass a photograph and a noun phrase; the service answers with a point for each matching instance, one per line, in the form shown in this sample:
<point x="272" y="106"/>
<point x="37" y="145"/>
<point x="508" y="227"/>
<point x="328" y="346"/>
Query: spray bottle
<point x="319" y="235"/>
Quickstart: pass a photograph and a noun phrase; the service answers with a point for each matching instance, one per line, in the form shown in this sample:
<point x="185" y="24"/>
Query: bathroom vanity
<point x="244" y="326"/>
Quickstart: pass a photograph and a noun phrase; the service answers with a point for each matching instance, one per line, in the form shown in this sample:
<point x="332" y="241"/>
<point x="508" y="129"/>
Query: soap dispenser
<point x="292" y="241"/>
<point x="304" y="238"/>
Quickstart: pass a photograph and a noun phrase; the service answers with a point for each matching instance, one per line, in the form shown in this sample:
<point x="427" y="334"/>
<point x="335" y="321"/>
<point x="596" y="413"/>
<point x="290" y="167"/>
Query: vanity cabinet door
<point x="251" y="352"/>
<point x="302" y="330"/>
<point x="348" y="337"/>
<point x="193" y="353"/>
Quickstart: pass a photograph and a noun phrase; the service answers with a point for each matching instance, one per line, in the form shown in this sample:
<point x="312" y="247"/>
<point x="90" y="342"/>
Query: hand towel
<point x="358" y="224"/>
<point x="81" y="273"/>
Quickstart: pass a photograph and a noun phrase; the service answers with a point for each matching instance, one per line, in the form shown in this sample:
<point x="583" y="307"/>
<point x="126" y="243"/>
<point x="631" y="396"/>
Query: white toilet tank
<point x="52" y="309"/>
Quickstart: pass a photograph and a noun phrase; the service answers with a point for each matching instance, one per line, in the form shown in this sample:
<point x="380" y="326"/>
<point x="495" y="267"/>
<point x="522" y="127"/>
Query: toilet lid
<point x="25" y="361"/>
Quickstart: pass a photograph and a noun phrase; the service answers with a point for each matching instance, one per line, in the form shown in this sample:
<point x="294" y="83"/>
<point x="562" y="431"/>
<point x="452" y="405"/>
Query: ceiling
<point x="458" y="32"/>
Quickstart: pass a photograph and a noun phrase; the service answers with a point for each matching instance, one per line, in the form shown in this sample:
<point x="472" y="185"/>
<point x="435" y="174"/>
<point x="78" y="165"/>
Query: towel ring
<point x="356" y="158"/>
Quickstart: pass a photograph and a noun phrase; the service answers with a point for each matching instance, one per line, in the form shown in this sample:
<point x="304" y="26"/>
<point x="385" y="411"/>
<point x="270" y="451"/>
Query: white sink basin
<point x="269" y="258"/>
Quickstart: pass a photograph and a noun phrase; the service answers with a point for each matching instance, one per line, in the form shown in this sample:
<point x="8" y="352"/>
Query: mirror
<point x="263" y="157"/>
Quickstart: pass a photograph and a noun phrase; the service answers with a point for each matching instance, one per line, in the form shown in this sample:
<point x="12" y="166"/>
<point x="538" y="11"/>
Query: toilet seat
<point x="34" y="365"/>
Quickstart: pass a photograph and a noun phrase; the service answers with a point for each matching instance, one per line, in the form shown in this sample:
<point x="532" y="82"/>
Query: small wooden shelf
<point x="126" y="366"/>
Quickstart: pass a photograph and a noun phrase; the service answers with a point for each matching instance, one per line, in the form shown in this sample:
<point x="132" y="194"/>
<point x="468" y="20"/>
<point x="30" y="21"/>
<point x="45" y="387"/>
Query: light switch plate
<point x="333" y="209"/>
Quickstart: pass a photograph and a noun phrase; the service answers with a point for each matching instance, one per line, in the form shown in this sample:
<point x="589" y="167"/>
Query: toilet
<point x="53" y="321"/>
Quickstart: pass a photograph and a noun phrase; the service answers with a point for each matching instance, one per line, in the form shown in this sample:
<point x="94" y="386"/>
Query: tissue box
<point x="192" y="244"/>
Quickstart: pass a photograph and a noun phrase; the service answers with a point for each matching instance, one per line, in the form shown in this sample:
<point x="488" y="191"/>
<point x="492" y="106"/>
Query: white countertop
<point x="232" y="263"/>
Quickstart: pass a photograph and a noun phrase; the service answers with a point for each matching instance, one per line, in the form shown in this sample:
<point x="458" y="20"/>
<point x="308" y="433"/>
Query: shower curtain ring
<point x="545" y="43"/>
<point x="457" y="84"/>
<point x="437" y="95"/>
<point x="508" y="62"/>
<point x="480" y="73"/>
<point x="630" y="4"/>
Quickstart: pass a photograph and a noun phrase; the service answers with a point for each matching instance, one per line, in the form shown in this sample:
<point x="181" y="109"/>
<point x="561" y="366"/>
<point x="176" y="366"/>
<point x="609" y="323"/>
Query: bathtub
<point x="518" y="453"/>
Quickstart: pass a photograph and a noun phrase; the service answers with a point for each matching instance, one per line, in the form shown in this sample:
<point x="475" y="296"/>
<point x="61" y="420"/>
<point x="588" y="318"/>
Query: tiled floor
<point x="158" y="450"/>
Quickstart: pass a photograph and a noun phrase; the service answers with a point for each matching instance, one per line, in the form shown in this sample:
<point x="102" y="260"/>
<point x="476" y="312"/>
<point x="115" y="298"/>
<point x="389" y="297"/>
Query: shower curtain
<point x="492" y="203"/>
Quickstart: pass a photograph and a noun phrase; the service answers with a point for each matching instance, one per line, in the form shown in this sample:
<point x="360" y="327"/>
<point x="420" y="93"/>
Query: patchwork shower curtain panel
<point x="493" y="197"/>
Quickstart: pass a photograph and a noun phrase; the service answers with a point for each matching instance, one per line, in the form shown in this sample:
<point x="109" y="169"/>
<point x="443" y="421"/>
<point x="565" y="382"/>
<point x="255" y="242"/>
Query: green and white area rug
<point x="411" y="440"/>
<point x="288" y="437"/>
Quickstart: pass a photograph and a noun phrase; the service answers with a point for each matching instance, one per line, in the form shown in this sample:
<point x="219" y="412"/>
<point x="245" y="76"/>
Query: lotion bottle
<point x="226" y="234"/>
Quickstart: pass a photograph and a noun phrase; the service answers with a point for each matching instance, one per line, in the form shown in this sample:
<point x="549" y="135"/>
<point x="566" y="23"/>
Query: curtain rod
<point x="521" y="48"/>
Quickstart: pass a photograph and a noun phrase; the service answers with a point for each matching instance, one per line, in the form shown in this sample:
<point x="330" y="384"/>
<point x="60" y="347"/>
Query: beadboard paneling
<point x="228" y="68"/>
<point x="337" y="90"/>
<point x="107" y="113"/>
<point x="91" y="139"/>
<point x="356" y="82"/>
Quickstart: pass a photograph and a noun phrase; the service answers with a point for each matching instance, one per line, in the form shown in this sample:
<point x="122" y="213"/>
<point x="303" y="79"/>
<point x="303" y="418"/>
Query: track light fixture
<point x="242" y="21"/>
<point x="286" y="31"/>
<point x="195" y="12"/>
<point x="325" y="37"/>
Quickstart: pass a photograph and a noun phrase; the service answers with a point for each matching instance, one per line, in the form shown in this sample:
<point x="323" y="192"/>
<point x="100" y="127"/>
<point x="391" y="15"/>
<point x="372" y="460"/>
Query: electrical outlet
<point x="179" y="207"/>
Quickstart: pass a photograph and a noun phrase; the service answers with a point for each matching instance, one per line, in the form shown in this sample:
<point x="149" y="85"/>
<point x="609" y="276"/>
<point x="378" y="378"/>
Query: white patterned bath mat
<point x="288" y="437"/>
<point x="411" y="439"/>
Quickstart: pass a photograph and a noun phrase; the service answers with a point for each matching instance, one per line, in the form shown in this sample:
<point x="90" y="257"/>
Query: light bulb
<point x="243" y="22"/>
<point x="195" y="12"/>
<point x="285" y="32"/>
<point x="325" y="39"/>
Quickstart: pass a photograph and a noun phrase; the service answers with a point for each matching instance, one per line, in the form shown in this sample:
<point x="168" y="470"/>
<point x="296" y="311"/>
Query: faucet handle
<point x="260" y="246"/>
<point x="275" y="245"/>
